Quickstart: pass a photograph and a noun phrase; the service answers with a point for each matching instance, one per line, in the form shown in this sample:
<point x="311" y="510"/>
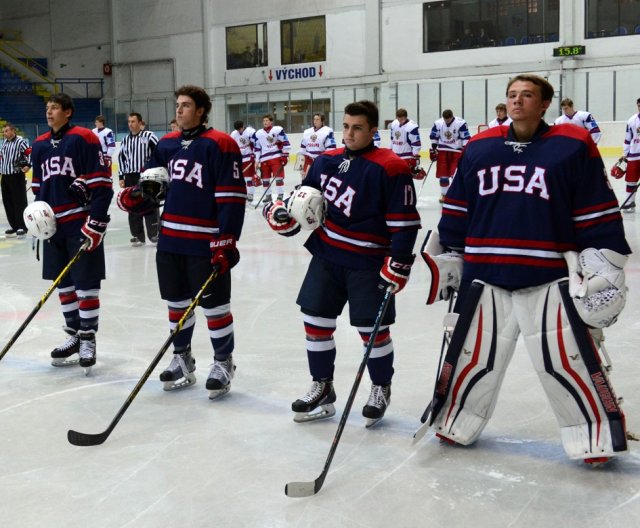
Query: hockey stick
<point x="273" y="178"/>
<point x="632" y="195"/>
<point x="424" y="180"/>
<point x="446" y="338"/>
<point x="44" y="298"/>
<point x="86" y="439"/>
<point x="307" y="489"/>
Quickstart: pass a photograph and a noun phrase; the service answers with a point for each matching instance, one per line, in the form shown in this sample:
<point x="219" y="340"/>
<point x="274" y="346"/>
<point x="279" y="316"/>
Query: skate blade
<point x="370" y="422"/>
<point x="87" y="370"/>
<point x="65" y="362"/>
<point x="219" y="393"/>
<point x="324" y="411"/>
<point x="180" y="383"/>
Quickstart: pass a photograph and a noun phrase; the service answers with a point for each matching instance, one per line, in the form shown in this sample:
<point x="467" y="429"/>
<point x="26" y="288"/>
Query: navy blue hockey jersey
<point x="57" y="162"/>
<point x="207" y="194"/>
<point x="371" y="208"/>
<point x="515" y="207"/>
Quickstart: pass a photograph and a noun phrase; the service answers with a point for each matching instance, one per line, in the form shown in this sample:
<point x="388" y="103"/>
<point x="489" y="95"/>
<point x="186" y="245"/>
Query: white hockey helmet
<point x="40" y="220"/>
<point x="154" y="182"/>
<point x="307" y="207"/>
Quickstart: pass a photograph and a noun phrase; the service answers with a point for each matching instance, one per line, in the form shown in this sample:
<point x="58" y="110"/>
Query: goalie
<point x="532" y="238"/>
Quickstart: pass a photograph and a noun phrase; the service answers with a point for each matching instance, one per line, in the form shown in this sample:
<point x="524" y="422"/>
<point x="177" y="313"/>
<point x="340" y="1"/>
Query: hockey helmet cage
<point x="307" y="207"/>
<point x="154" y="182"/>
<point x="40" y="220"/>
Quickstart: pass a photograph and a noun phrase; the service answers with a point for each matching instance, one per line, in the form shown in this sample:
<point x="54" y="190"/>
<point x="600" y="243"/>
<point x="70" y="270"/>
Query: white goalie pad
<point x="473" y="369"/>
<point x="597" y="284"/>
<point x="445" y="269"/>
<point x="40" y="220"/>
<point x="307" y="207"/>
<point x="299" y="162"/>
<point x="565" y="357"/>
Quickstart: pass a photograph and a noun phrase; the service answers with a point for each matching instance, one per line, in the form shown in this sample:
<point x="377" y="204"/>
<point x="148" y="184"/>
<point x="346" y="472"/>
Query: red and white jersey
<point x="107" y="140"/>
<point x="581" y="119"/>
<point x="244" y="141"/>
<point x="631" y="148"/>
<point x="497" y="122"/>
<point x="405" y="139"/>
<point x="452" y="137"/>
<point x="271" y="144"/>
<point x="315" y="142"/>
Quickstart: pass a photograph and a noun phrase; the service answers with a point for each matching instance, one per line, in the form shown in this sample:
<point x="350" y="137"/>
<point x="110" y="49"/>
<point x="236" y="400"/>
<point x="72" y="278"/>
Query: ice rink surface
<point x="179" y="459"/>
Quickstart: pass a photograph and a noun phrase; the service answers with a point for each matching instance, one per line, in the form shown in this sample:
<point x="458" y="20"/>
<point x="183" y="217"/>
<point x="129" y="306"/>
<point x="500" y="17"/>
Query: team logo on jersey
<point x="397" y="134"/>
<point x="344" y="166"/>
<point x="517" y="146"/>
<point x="313" y="137"/>
<point x="186" y="143"/>
<point x="448" y="134"/>
<point x="55" y="142"/>
<point x="270" y="139"/>
<point x="243" y="141"/>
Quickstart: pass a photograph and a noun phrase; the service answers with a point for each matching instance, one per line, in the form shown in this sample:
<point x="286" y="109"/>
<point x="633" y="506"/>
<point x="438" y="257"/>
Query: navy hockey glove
<point x="433" y="154"/>
<point x="279" y="220"/>
<point x="132" y="200"/>
<point x="224" y="254"/>
<point x="395" y="271"/>
<point x="81" y="191"/>
<point x="94" y="230"/>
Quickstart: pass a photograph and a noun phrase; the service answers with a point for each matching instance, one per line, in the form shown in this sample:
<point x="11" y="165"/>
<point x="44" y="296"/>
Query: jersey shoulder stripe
<point x="388" y="159"/>
<point x="85" y="134"/>
<point x="574" y="132"/>
<point x="225" y="142"/>
<point x="494" y="132"/>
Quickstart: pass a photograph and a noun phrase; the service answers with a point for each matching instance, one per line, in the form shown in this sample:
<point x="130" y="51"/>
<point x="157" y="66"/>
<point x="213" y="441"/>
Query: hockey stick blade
<point x="298" y="490"/>
<point x="84" y="439"/>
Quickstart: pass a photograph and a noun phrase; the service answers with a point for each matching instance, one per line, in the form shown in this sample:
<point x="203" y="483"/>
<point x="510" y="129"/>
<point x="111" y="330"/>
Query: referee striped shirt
<point x="11" y="152"/>
<point x="135" y="151"/>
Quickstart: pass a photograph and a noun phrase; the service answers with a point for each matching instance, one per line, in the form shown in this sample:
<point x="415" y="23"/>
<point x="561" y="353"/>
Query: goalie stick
<point x="448" y="323"/>
<point x="307" y="489"/>
<point x="44" y="298"/>
<point x="86" y="439"/>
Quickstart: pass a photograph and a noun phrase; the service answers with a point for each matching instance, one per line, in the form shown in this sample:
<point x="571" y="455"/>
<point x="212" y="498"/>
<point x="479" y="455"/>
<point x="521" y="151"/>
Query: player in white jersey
<point x="579" y="118"/>
<point x="631" y="155"/>
<point x="272" y="147"/>
<point x="449" y="135"/>
<point x="405" y="138"/>
<point x="315" y="140"/>
<point x="501" y="116"/>
<point x="107" y="139"/>
<point x="243" y="137"/>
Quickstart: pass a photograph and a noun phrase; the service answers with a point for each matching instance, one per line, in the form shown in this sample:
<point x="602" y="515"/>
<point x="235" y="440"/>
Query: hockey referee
<point x="14" y="163"/>
<point x="135" y="151"/>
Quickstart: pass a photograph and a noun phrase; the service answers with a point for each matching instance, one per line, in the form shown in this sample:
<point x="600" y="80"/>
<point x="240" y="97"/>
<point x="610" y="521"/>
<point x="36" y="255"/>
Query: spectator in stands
<point x="14" y="163"/>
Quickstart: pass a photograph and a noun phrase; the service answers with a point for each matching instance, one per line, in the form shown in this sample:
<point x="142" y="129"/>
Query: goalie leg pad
<point x="481" y="348"/>
<point x="569" y="367"/>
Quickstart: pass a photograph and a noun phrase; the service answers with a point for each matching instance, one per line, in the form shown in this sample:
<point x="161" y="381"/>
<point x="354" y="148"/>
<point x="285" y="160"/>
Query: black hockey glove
<point x="80" y="190"/>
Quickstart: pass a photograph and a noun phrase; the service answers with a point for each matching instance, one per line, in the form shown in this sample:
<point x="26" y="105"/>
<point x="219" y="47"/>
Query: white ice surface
<point x="179" y="459"/>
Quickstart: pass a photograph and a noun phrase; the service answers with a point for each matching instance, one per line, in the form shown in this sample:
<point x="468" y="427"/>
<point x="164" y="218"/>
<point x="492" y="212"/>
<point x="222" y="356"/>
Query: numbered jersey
<point x="245" y="142"/>
<point x="371" y="207"/>
<point x="452" y="137"/>
<point x="315" y="142"/>
<point x="405" y="139"/>
<point x="631" y="147"/>
<point x="207" y="194"/>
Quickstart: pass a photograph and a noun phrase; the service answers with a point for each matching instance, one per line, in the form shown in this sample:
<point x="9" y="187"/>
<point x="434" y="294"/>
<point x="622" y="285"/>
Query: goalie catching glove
<point x="94" y="230"/>
<point x="147" y="196"/>
<point x="445" y="268"/>
<point x="597" y="285"/>
<point x="224" y="254"/>
<point x="279" y="220"/>
<point x="395" y="271"/>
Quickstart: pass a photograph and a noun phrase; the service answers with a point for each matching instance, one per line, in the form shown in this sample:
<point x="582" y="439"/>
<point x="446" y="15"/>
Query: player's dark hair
<point x="320" y="115"/>
<point x="401" y="112"/>
<point x="200" y="98"/>
<point x="546" y="89"/>
<point x="566" y="102"/>
<point x="237" y="125"/>
<point x="501" y="106"/>
<point x="638" y="100"/>
<point x="267" y="116"/>
<point x="447" y="114"/>
<point x="365" y="108"/>
<point x="136" y="115"/>
<point x="65" y="102"/>
<point x="101" y="119"/>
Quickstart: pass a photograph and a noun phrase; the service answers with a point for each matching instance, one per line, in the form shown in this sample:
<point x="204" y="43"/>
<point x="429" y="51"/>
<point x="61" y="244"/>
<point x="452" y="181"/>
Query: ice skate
<point x="180" y="372"/>
<point x="379" y="400"/>
<point x="67" y="354"/>
<point x="87" y="351"/>
<point x="249" y="199"/>
<point x="219" y="380"/>
<point x="267" y="199"/>
<point x="629" y="208"/>
<point x="316" y="404"/>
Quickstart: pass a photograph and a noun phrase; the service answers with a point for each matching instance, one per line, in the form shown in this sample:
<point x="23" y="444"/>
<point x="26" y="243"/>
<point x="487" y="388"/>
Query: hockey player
<point x="200" y="225"/>
<point x="525" y="201"/>
<point x="107" y="139"/>
<point x="272" y="149"/>
<point x="449" y="135"/>
<point x="69" y="173"/>
<point x="243" y="137"/>
<point x="405" y="138"/>
<point x="501" y="116"/>
<point x="578" y="118"/>
<point x="630" y="156"/>
<point x="315" y="141"/>
<point x="369" y="232"/>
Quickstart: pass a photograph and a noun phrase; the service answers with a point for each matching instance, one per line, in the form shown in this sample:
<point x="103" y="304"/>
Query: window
<point x="465" y="24"/>
<point x="247" y="46"/>
<point x="303" y="40"/>
<point x="612" y="18"/>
